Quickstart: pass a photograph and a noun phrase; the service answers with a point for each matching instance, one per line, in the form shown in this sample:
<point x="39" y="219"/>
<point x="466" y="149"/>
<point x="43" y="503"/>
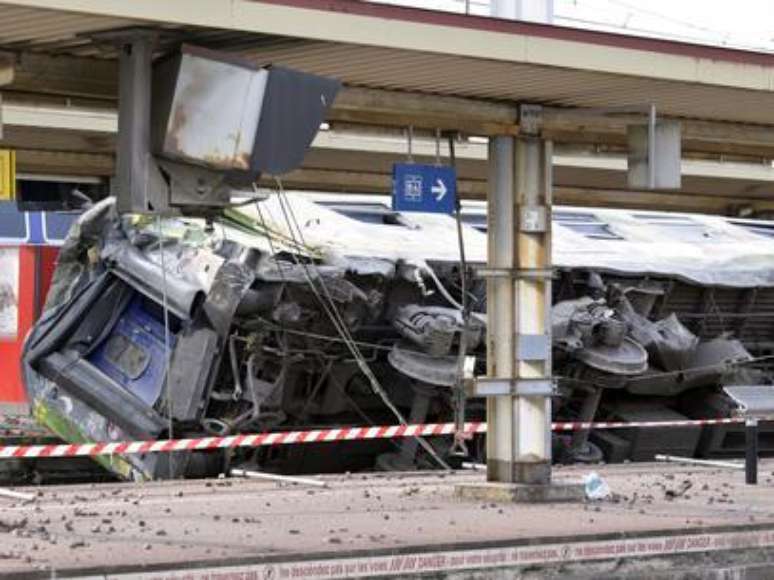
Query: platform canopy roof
<point x="405" y="66"/>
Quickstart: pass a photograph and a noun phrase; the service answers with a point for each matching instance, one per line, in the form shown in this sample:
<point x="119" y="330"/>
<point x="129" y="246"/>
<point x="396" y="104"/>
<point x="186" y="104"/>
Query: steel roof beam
<point x="82" y="141"/>
<point x="95" y="80"/>
<point x="41" y="162"/>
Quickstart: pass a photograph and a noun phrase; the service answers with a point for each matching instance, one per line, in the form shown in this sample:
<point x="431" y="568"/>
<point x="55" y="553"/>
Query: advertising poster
<point x="9" y="293"/>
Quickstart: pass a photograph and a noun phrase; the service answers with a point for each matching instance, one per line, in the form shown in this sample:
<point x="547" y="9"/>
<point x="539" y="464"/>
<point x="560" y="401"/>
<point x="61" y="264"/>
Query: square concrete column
<point x="518" y="385"/>
<point x="134" y="121"/>
<point x="518" y="306"/>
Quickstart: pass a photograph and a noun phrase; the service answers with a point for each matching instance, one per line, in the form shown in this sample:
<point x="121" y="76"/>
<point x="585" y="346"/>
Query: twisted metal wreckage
<point x="291" y="312"/>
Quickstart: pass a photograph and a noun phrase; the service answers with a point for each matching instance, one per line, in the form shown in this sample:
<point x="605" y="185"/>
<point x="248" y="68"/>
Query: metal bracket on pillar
<point x="530" y="119"/>
<point x="533" y="347"/>
<point x="515" y="273"/>
<point x="496" y="387"/>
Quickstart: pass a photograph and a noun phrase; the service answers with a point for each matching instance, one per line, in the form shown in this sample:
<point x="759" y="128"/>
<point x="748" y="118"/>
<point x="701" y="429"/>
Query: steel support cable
<point x="274" y="252"/>
<point x="339" y="324"/>
<point x="330" y="308"/>
<point x="333" y="312"/>
<point x="167" y="352"/>
<point x="459" y="386"/>
<point x="341" y="327"/>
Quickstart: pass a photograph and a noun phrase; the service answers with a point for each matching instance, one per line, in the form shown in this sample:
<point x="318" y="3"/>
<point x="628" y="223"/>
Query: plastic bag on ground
<point x="596" y="487"/>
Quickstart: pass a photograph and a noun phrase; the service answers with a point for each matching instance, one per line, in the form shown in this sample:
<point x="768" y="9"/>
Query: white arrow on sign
<point x="439" y="190"/>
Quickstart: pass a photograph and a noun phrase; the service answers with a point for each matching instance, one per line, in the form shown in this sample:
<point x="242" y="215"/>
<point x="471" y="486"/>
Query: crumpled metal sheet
<point x="71" y="398"/>
<point x="730" y="255"/>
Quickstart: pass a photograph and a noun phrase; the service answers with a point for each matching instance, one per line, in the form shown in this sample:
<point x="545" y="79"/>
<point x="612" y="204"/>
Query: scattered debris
<point x="10" y="526"/>
<point x="692" y="461"/>
<point x="671" y="494"/>
<point x="278" y="478"/>
<point x="17" y="495"/>
<point x="596" y="487"/>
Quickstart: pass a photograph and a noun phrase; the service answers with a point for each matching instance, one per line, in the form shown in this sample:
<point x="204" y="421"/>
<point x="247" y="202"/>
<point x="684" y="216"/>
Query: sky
<point x="740" y="23"/>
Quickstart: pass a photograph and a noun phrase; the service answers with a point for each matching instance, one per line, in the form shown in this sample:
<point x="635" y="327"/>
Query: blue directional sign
<point x="427" y="188"/>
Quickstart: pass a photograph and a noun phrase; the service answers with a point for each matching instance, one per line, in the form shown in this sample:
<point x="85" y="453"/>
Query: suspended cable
<point x="167" y="350"/>
<point x="459" y="398"/>
<point x="340" y="325"/>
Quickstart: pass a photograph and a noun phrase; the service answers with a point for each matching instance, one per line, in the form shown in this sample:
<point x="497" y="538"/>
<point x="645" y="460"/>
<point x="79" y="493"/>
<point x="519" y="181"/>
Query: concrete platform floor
<point x="265" y="528"/>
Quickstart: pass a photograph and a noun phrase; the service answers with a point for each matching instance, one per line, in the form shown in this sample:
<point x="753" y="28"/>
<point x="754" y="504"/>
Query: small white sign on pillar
<point x="654" y="165"/>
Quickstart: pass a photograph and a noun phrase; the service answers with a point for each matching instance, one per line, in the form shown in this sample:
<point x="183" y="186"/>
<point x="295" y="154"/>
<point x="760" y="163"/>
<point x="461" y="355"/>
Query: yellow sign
<point x="7" y="174"/>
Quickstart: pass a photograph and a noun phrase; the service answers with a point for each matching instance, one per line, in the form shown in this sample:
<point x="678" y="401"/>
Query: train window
<point x="13" y="223"/>
<point x="366" y="212"/>
<point x="682" y="228"/>
<point x="128" y="357"/>
<point x="765" y="229"/>
<point x="587" y="224"/>
<point x="476" y="221"/>
<point x="56" y="225"/>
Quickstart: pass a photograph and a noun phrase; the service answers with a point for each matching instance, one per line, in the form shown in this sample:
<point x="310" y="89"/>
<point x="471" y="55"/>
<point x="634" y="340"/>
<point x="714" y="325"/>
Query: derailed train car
<point x="296" y="312"/>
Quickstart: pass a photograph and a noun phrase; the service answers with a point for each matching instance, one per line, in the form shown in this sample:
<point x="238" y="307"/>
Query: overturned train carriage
<point x="298" y="311"/>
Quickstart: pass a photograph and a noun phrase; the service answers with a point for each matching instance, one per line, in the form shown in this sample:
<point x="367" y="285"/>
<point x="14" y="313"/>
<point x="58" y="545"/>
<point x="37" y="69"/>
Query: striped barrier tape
<point x="312" y="436"/>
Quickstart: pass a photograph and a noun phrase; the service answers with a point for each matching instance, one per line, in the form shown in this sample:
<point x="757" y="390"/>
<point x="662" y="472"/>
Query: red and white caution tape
<point x="244" y="440"/>
<point x="296" y="437"/>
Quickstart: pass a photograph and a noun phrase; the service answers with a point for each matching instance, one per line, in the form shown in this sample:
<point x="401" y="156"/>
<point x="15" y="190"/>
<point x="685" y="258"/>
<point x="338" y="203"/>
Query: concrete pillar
<point x="518" y="385"/>
<point x="134" y="99"/>
<point x="138" y="187"/>
<point x="518" y="306"/>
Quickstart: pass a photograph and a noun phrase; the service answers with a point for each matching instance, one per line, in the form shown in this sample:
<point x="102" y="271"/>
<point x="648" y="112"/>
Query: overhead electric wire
<point x="667" y="18"/>
<point x="611" y="19"/>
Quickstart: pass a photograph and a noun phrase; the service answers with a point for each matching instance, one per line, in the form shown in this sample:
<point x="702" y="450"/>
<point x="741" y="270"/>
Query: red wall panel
<point x="33" y="263"/>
